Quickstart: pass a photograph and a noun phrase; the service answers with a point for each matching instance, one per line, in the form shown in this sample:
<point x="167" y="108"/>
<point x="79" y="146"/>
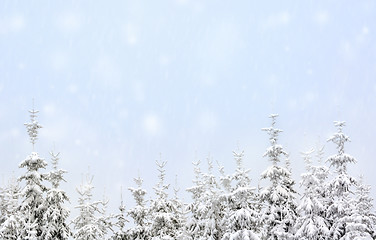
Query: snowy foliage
<point x="223" y="207"/>
<point x="56" y="214"/>
<point x="139" y="213"/>
<point x="278" y="199"/>
<point x="341" y="186"/>
<point x="243" y="222"/>
<point x="88" y="225"/>
<point x="311" y="223"/>
<point x="163" y="212"/>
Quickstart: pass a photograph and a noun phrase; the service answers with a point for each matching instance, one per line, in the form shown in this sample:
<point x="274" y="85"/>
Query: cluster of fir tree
<point x="332" y="206"/>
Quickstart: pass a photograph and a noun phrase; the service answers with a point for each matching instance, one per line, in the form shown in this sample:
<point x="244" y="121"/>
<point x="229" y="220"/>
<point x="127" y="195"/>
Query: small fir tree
<point x="87" y="225"/>
<point x="121" y="233"/>
<point x="139" y="213"/>
<point x="10" y="229"/>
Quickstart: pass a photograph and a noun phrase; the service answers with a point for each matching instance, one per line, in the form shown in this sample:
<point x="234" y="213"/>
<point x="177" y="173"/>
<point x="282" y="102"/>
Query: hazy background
<point x="119" y="82"/>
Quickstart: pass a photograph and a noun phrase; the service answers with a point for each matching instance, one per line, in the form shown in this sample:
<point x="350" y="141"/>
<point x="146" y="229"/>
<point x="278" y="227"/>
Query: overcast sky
<point x="119" y="82"/>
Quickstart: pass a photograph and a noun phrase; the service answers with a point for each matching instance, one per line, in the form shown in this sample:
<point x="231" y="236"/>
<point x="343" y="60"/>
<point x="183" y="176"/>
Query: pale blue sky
<point x="118" y="82"/>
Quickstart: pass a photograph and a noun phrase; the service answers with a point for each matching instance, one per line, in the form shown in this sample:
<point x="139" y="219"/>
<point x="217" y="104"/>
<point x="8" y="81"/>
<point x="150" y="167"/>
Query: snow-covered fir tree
<point x="121" y="233"/>
<point x="180" y="214"/>
<point x="243" y="215"/>
<point x="87" y="225"/>
<point x="163" y="219"/>
<point x="104" y="219"/>
<point x="3" y="205"/>
<point x="139" y="213"/>
<point x="311" y="223"/>
<point x="195" y="226"/>
<point x="341" y="186"/>
<point x="10" y="228"/>
<point x="56" y="214"/>
<point x="211" y="208"/>
<point x="33" y="207"/>
<point x="278" y="213"/>
<point x="361" y="224"/>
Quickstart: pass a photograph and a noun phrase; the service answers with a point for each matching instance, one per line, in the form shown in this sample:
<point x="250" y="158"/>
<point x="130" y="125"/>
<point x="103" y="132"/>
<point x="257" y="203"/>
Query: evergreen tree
<point x="361" y="224"/>
<point x="87" y="224"/>
<point x="278" y="213"/>
<point x="121" y="233"/>
<point x="195" y="225"/>
<point x="164" y="222"/>
<point x="212" y="207"/>
<point x="243" y="215"/>
<point x="341" y="186"/>
<point x="56" y="214"/>
<point x="311" y="223"/>
<point x="180" y="215"/>
<point x="33" y="206"/>
<point x="139" y="213"/>
<point x="10" y="228"/>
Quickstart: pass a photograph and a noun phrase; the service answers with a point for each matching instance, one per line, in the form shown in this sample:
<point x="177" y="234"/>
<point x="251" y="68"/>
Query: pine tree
<point x="278" y="213"/>
<point x="139" y="213"/>
<point x="56" y="214"/>
<point x="341" y="186"/>
<point x="164" y="222"/>
<point x="10" y="228"/>
<point x="311" y="223"/>
<point x="87" y="224"/>
<point x="243" y="215"/>
<point x="33" y="206"/>
<point x="362" y="222"/>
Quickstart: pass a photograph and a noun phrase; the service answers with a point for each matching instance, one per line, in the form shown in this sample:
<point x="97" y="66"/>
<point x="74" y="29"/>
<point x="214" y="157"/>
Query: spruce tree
<point x="361" y="224"/>
<point x="164" y="221"/>
<point x="56" y="214"/>
<point x="139" y="213"/>
<point x="278" y="213"/>
<point x="195" y="225"/>
<point x="341" y="186"/>
<point x="10" y="228"/>
<point x="311" y="223"/>
<point x="87" y="224"/>
<point x="121" y="233"/>
<point x="33" y="207"/>
<point x="243" y="214"/>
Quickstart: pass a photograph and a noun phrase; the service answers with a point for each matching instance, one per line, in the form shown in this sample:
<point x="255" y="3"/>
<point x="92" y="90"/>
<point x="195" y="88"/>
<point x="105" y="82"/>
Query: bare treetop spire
<point x="33" y="126"/>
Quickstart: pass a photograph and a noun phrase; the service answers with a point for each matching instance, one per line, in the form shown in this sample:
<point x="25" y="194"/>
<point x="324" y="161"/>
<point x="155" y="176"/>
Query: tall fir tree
<point x="278" y="213"/>
<point x="341" y="186"/>
<point x="33" y="205"/>
<point x="243" y="215"/>
<point x="56" y="215"/>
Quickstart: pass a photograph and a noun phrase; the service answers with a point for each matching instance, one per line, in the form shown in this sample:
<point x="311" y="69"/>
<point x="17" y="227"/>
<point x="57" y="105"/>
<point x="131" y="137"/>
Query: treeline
<point x="334" y="204"/>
